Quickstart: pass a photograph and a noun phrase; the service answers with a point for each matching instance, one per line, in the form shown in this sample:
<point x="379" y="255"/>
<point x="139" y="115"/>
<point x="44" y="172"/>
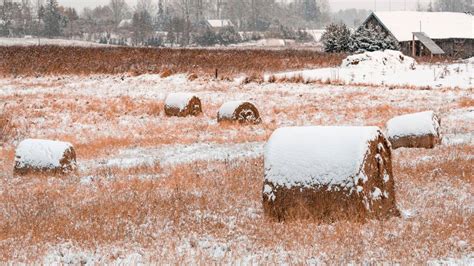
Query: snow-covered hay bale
<point x="419" y="130"/>
<point x="44" y="156"/>
<point x="182" y="104"/>
<point x="379" y="60"/>
<point x="240" y="111"/>
<point x="326" y="174"/>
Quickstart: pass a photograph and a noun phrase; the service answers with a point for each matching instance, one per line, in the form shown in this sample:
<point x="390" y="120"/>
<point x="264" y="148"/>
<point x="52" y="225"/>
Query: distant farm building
<point x="217" y="24"/>
<point x="125" y="23"/>
<point x="428" y="33"/>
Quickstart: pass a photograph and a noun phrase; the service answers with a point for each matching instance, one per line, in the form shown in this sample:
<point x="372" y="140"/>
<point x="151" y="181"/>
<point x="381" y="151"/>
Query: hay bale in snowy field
<point x="239" y="111"/>
<point x="182" y="104"/>
<point x="419" y="130"/>
<point x="44" y="156"/>
<point x="326" y="174"/>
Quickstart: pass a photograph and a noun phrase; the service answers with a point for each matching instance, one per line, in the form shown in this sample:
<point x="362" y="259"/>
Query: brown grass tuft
<point x="166" y="73"/>
<point x="466" y="102"/>
<point x="8" y="129"/>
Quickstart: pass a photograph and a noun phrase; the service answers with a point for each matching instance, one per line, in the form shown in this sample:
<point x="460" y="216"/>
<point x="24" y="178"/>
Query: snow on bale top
<point x="227" y="109"/>
<point x="40" y="154"/>
<point x="418" y="124"/>
<point x="178" y="100"/>
<point x="379" y="60"/>
<point x="437" y="25"/>
<point x="318" y="156"/>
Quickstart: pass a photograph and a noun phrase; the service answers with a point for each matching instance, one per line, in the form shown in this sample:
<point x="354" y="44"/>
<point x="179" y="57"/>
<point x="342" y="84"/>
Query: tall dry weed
<point x="53" y="60"/>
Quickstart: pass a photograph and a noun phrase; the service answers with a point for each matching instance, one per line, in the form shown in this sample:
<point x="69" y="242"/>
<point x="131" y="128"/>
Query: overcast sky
<point x="335" y="4"/>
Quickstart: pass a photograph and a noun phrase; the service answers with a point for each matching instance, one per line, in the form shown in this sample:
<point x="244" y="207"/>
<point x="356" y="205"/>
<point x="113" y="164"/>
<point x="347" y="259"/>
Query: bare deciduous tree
<point x="119" y="10"/>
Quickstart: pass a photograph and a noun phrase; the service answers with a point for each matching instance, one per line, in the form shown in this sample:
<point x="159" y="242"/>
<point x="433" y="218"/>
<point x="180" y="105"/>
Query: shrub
<point x="337" y="38"/>
<point x="370" y="38"/>
<point x="206" y="37"/>
<point x="154" y="42"/>
<point x="228" y="35"/>
<point x="303" y="36"/>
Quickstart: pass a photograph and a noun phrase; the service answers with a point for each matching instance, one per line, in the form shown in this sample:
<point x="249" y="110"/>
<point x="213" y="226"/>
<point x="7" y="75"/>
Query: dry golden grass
<point x="9" y="128"/>
<point x="114" y="212"/>
<point x="5" y="126"/>
<point x="167" y="210"/>
<point x="466" y="102"/>
<point x="53" y="60"/>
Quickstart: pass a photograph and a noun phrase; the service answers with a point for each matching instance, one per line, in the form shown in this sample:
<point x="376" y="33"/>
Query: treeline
<point x="447" y="6"/>
<point x="182" y="21"/>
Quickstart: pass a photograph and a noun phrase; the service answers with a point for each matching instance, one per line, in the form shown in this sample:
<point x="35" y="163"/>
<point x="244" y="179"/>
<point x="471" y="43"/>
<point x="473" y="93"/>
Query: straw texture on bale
<point x="241" y="112"/>
<point x="373" y="198"/>
<point x="192" y="108"/>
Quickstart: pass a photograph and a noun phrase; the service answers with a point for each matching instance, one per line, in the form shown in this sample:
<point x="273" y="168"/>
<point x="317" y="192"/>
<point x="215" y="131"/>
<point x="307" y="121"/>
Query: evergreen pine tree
<point x="142" y="25"/>
<point x="311" y="10"/>
<point x="372" y="38"/>
<point x="228" y="35"/>
<point x="52" y="19"/>
<point x="337" y="38"/>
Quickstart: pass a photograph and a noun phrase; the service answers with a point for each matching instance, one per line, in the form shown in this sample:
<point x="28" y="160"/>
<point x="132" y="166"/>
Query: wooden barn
<point x="428" y="33"/>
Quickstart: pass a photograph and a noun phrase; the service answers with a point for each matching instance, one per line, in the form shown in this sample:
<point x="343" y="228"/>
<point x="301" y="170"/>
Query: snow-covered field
<point x="44" y="41"/>
<point x="387" y="69"/>
<point x="188" y="190"/>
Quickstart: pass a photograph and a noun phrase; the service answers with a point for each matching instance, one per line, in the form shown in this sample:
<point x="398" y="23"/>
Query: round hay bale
<point x="182" y="104"/>
<point x="325" y="174"/>
<point x="239" y="111"/>
<point x="418" y="130"/>
<point x="44" y="156"/>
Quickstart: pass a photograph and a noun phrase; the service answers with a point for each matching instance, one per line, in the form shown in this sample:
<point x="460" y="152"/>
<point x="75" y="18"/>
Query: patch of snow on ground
<point x="43" y="41"/>
<point x="375" y="73"/>
<point x="68" y="254"/>
<point x="181" y="154"/>
<point x="468" y="260"/>
<point x="387" y="59"/>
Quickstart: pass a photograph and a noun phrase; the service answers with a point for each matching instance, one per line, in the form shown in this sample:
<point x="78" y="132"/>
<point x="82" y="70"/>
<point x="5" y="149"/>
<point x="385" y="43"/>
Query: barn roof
<point x="428" y="43"/>
<point x="437" y="25"/>
<point x="220" y="23"/>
